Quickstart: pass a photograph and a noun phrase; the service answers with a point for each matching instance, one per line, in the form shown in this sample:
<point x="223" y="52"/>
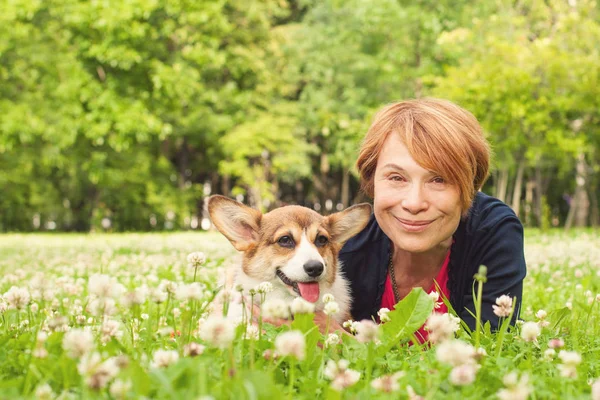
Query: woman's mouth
<point x="410" y="225"/>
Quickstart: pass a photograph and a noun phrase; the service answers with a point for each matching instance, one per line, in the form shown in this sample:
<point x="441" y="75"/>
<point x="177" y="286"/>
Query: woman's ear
<point x="237" y="222"/>
<point x="345" y="224"/>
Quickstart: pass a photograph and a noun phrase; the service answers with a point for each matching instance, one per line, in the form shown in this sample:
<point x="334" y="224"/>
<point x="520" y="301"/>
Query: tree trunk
<point x="579" y="207"/>
<point x="540" y="191"/>
<point x="529" y="186"/>
<point x="502" y="184"/>
<point x="345" y="188"/>
<point x="516" y="197"/>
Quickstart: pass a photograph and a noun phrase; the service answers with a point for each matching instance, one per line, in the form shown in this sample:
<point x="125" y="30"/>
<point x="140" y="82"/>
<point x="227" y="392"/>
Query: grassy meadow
<point x="126" y="316"/>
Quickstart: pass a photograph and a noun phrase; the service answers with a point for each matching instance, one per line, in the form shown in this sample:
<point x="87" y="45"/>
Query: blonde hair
<point x="439" y="135"/>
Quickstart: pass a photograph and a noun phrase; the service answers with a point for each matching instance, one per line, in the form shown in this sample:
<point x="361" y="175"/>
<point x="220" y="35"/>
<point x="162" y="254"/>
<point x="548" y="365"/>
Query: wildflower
<point x="516" y="389"/>
<point x="503" y="306"/>
<point x="104" y="286"/>
<point x="549" y="354"/>
<point x="275" y="308"/>
<point x="193" y="291"/>
<point x="158" y="295"/>
<point x="3" y="307"/>
<point x="251" y="332"/>
<point x="596" y="390"/>
<point x="464" y="374"/>
<point x="328" y="297"/>
<point x="387" y="383"/>
<point x="331" y="308"/>
<point x="441" y="327"/>
<point x="78" y="342"/>
<point x="340" y="375"/>
<point x="44" y="392"/>
<point x="570" y="361"/>
<point x="291" y="343"/>
<point x="119" y="389"/>
<point x="97" y="373"/>
<point x="556" y="343"/>
<point x="435" y="296"/>
<point x="366" y="331"/>
<point x="455" y="353"/>
<point x="34" y="307"/>
<point x="217" y="331"/>
<point x="110" y="329"/>
<point x="264" y="287"/>
<point x="350" y="325"/>
<point x="176" y="312"/>
<point x="301" y="306"/>
<point x="164" y="358"/>
<point x="383" y="315"/>
<point x="412" y="395"/>
<point x="17" y="298"/>
<point x="530" y="331"/>
<point x="541" y="314"/>
<point x="193" y="349"/>
<point x="135" y="297"/>
<point x="196" y="259"/>
<point x="332" y="340"/>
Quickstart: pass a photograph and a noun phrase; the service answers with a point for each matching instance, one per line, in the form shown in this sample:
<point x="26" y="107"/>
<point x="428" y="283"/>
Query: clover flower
<point x="164" y="358"/>
<point x="530" y="331"/>
<point x="441" y="327"/>
<point x="301" y="306"/>
<point x="78" y="342"/>
<point x="367" y="331"/>
<point x="291" y="343"/>
<point x="503" y="306"/>
<point x="217" y="331"/>
<point x="196" y="259"/>
<point x="387" y="383"/>
<point x="340" y="375"/>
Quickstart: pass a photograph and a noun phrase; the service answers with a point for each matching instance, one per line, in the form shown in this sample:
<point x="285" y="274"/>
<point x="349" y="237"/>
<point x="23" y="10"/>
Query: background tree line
<point x="126" y="115"/>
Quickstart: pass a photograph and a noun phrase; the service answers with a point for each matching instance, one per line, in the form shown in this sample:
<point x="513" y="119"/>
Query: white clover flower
<point x="135" y="297"/>
<point x="530" y="331"/>
<point x="503" y="306"/>
<point x="455" y="352"/>
<point x="327" y="297"/>
<point x="110" y="329"/>
<point x="435" y="296"/>
<point x="383" y="315"/>
<point x="164" y="358"/>
<point x="350" y="325"/>
<point x="331" y="308"/>
<point x="441" y="327"/>
<point x="193" y="349"/>
<point x="275" y="308"/>
<point x="464" y="374"/>
<point x="44" y="392"/>
<point x="301" y="306"/>
<point x="158" y="295"/>
<point x="340" y="375"/>
<point x="569" y="357"/>
<point x="387" y="383"/>
<point x="78" y="342"/>
<point x="104" y="286"/>
<point x="196" y="259"/>
<point x="332" y="340"/>
<point x="34" y="307"/>
<point x="251" y="332"/>
<point x="516" y="389"/>
<point x="291" y="343"/>
<point x="17" y="298"/>
<point x="556" y="343"/>
<point x="217" y="331"/>
<point x="549" y="354"/>
<point x="367" y="331"/>
<point x="119" y="389"/>
<point x="541" y="314"/>
<point x="97" y="373"/>
<point x="596" y="390"/>
<point x="3" y="307"/>
<point x="264" y="287"/>
<point x="193" y="291"/>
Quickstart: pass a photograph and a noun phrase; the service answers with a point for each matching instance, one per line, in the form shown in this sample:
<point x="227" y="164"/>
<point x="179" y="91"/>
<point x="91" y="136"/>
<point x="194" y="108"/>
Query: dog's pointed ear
<point x="237" y="222"/>
<point x="345" y="224"/>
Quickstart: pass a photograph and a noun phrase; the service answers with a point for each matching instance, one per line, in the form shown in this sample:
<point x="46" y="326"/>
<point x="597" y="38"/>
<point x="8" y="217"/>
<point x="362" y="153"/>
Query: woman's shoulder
<point x="487" y="212"/>
<point x="370" y="236"/>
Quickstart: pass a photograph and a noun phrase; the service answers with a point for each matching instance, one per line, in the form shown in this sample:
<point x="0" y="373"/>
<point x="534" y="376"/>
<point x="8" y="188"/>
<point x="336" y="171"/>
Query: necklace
<point x="393" y="278"/>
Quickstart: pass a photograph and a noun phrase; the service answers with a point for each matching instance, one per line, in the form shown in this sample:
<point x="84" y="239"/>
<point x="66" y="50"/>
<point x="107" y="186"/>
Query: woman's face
<point x="415" y="207"/>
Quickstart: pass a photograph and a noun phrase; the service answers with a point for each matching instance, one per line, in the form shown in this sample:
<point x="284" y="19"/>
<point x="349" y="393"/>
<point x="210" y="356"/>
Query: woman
<point x="423" y="162"/>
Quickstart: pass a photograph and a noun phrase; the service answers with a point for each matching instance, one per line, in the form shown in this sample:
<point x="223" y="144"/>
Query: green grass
<point x="563" y="275"/>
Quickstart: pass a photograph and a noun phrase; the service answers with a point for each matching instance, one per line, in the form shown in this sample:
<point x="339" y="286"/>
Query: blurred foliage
<point x="134" y="111"/>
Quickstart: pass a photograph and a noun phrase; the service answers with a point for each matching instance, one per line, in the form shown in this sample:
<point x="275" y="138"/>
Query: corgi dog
<point x="292" y="247"/>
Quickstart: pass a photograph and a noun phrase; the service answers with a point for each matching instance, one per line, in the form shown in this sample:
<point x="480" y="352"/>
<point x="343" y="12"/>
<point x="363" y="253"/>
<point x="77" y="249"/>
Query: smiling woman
<point x="423" y="162"/>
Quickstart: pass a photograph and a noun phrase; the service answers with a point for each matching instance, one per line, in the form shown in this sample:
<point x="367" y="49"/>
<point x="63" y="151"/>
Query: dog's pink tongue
<point x="309" y="291"/>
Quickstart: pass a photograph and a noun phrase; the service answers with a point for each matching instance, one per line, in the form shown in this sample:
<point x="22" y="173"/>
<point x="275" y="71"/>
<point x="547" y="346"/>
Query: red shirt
<point x="388" y="300"/>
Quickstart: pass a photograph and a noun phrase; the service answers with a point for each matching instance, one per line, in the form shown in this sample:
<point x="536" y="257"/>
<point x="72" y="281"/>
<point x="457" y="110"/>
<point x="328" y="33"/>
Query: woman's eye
<point x="396" y="178"/>
<point x="321" y="240"/>
<point x="438" y="179"/>
<point x="286" y="241"/>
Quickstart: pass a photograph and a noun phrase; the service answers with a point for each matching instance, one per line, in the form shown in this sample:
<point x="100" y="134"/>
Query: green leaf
<point x="408" y="315"/>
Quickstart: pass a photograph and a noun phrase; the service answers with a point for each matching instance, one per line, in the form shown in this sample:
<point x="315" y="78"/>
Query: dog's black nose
<point x="313" y="268"/>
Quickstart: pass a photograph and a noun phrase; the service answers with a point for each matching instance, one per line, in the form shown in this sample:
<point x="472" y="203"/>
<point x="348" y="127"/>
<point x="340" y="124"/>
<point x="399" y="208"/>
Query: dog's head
<point x="293" y="247"/>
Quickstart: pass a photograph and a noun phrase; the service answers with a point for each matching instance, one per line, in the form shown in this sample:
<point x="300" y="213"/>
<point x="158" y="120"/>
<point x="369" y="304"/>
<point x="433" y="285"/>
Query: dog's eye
<point x="286" y="241"/>
<point x="321" y="240"/>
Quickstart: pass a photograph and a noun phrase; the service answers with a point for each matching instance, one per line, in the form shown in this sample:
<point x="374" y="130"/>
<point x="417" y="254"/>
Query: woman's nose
<point x="414" y="199"/>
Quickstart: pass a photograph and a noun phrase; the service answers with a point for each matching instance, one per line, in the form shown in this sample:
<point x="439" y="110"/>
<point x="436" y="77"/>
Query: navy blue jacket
<point x="490" y="235"/>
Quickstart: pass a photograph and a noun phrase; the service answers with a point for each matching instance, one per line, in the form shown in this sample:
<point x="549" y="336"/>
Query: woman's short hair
<point x="439" y="135"/>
